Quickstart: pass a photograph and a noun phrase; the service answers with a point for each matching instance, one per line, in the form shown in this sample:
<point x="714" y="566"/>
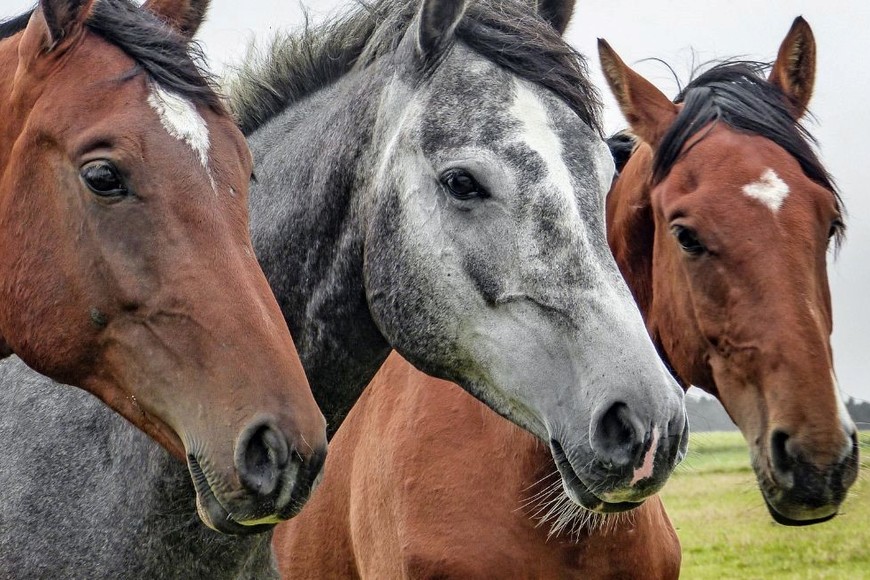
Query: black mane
<point x="737" y="94"/>
<point x="14" y="25"/>
<point x="168" y="58"/>
<point x="508" y="32"/>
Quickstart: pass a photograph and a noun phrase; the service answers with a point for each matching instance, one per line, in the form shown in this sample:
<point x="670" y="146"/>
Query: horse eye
<point x="836" y="226"/>
<point x="103" y="179"/>
<point x="462" y="185"/>
<point x="688" y="240"/>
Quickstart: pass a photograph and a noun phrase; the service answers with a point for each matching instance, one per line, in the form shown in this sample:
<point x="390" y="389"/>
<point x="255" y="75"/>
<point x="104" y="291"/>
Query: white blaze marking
<point x="540" y="137"/>
<point x="181" y="119"/>
<point x="769" y="190"/>
<point x="646" y="469"/>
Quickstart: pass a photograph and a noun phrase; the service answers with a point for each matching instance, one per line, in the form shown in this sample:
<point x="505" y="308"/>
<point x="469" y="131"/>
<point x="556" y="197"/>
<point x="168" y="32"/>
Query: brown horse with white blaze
<point x="126" y="265"/>
<point x="720" y="222"/>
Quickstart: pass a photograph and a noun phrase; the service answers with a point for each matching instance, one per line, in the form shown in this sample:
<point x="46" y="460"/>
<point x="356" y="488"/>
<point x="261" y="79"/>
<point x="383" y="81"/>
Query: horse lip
<point x="786" y="521"/>
<point x="579" y="492"/>
<point x="212" y="512"/>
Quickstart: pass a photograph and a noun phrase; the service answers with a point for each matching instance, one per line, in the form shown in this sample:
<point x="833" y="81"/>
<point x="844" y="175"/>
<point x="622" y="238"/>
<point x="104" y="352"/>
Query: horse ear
<point x="557" y="12"/>
<point x="794" y="71"/>
<point x="185" y="16"/>
<point x="647" y="109"/>
<point x="60" y="19"/>
<point x="437" y="21"/>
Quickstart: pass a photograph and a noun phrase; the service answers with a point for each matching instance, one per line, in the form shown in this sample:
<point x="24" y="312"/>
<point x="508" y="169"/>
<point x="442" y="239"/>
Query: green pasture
<point x="726" y="532"/>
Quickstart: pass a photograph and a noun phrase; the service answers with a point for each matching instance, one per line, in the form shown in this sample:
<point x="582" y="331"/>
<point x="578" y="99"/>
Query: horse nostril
<point x="617" y="438"/>
<point x="262" y="453"/>
<point x="779" y="455"/>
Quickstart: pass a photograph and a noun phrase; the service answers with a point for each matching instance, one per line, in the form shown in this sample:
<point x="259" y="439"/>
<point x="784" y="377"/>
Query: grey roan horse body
<point x="85" y="495"/>
<point x="429" y="178"/>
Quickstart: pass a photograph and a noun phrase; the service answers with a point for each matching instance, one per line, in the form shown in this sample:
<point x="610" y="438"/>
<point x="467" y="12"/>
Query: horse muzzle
<point x="276" y="482"/>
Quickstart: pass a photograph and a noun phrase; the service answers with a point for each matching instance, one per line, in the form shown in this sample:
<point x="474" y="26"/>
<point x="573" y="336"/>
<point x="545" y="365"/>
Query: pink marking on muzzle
<point x="646" y="470"/>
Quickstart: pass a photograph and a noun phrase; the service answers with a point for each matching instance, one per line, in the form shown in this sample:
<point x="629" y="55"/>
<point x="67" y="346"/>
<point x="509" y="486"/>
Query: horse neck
<point x="308" y="232"/>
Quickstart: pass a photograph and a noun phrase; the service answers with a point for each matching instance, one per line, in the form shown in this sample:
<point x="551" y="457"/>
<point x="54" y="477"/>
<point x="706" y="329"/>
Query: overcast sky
<point x="678" y="32"/>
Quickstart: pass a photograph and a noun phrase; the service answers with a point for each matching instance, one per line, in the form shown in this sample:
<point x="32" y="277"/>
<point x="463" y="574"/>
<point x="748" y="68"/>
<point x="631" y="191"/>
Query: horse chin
<point x="789" y="513"/>
<point x="813" y="517"/>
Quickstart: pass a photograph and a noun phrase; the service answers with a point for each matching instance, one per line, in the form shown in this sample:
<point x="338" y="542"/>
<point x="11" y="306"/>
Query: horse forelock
<point x="508" y="32"/>
<point x="735" y="93"/>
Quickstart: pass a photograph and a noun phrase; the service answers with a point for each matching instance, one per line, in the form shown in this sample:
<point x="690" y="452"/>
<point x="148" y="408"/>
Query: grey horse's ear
<point x="557" y="12"/>
<point x="185" y="16"/>
<point x="437" y="20"/>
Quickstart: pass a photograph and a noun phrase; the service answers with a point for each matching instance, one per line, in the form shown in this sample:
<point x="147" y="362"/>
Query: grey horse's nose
<point x="619" y="436"/>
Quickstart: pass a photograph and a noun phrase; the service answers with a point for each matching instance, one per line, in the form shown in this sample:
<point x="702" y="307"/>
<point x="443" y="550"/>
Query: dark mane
<point x="621" y="144"/>
<point x="737" y="93"/>
<point x="14" y="25"/>
<point x="508" y="32"/>
<point x="166" y="56"/>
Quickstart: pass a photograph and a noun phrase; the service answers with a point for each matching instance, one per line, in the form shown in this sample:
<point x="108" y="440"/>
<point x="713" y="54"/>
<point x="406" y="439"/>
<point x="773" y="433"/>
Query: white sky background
<point x="679" y="31"/>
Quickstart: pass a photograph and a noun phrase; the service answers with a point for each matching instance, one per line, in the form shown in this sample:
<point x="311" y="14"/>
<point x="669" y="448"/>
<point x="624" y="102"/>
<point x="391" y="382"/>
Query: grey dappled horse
<point x="431" y="178"/>
<point x="445" y="198"/>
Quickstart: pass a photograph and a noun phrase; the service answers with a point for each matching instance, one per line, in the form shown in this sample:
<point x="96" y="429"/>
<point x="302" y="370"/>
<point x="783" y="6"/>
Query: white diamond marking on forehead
<point x="180" y="118"/>
<point x="540" y="137"/>
<point x="769" y="190"/>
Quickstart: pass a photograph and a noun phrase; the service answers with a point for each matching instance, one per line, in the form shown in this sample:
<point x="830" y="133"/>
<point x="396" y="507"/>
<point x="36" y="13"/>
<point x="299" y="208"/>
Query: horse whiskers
<point x="552" y="506"/>
<point x="541" y="480"/>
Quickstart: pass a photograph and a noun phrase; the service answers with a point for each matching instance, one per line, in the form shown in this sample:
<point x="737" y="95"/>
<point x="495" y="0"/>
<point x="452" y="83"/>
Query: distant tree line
<point x="707" y="414"/>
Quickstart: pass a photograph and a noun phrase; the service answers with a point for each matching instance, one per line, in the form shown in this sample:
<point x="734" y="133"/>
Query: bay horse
<point x="363" y="144"/>
<point x="422" y="481"/>
<point x="481" y="505"/>
<point x="721" y="221"/>
<point x="126" y="266"/>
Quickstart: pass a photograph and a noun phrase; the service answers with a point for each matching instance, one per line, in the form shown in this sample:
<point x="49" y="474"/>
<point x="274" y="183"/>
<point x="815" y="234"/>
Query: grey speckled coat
<point x="87" y="496"/>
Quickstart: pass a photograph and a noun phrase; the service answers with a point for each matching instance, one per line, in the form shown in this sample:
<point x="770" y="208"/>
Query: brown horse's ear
<point x="185" y="16"/>
<point x="647" y="109"/>
<point x="57" y="20"/>
<point x="557" y="12"/>
<point x="436" y="22"/>
<point x="794" y="71"/>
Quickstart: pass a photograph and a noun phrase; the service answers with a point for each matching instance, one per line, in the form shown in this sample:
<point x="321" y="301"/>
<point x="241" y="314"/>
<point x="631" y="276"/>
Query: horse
<point x="459" y="224"/>
<point x="127" y="267"/>
<point x="482" y="505"/>
<point x="423" y="481"/>
<point x="339" y="222"/>
<point x="721" y="222"/>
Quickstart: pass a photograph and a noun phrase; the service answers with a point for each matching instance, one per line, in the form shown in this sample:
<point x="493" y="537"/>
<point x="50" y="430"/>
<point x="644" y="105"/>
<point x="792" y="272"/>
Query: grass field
<point x="726" y="531"/>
